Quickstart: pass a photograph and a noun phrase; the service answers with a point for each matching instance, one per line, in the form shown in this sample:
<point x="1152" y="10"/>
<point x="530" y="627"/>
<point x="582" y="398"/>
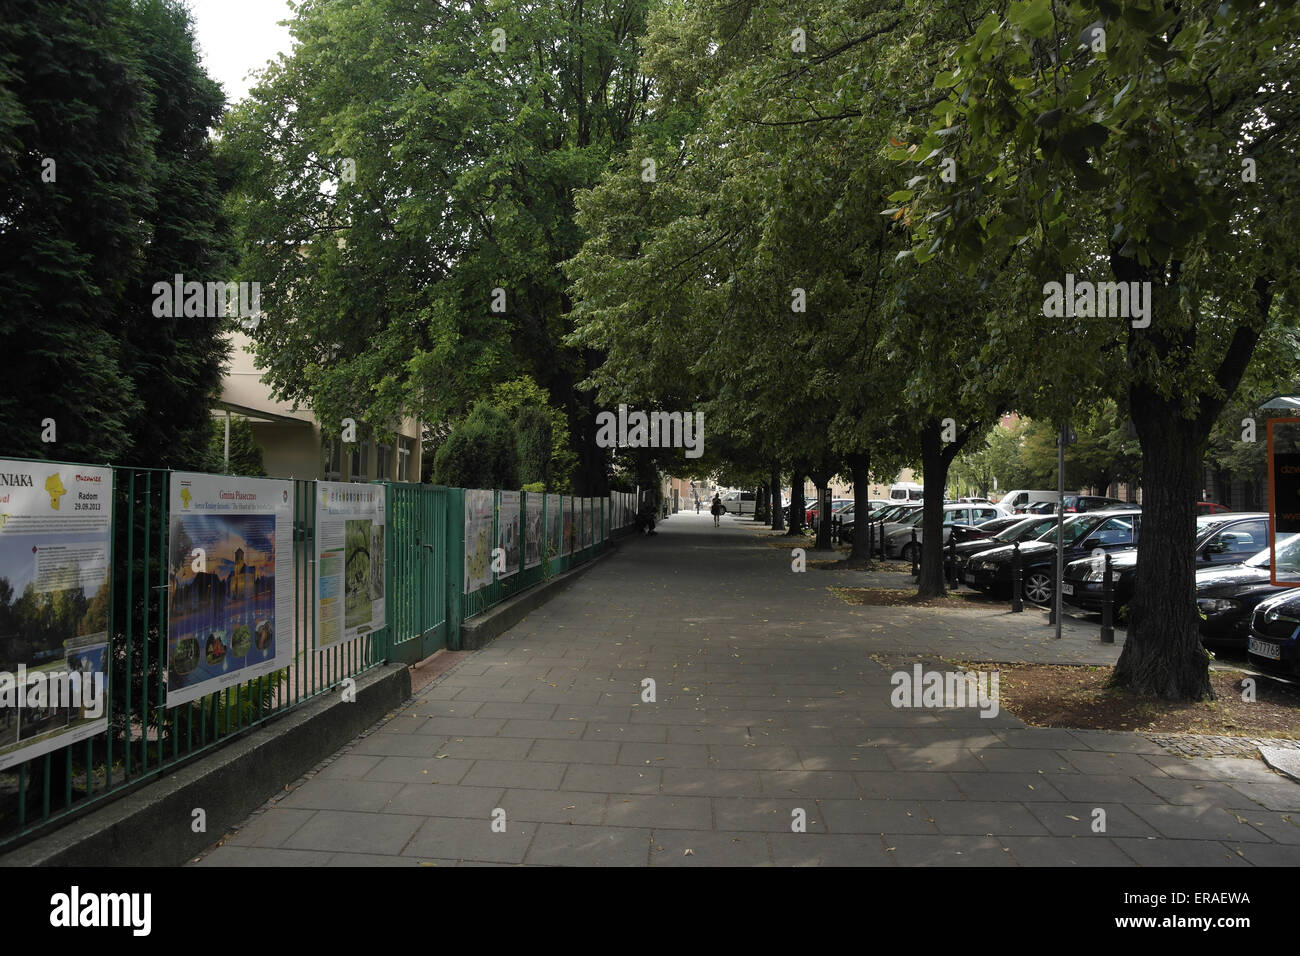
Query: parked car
<point x="906" y="491"/>
<point x="739" y="502"/>
<point x="899" y="543"/>
<point x="1080" y="503"/>
<point x="1003" y="531"/>
<point x="1082" y="534"/>
<point x="1222" y="541"/>
<point x="1210" y="507"/>
<point x="1019" y="501"/>
<point x="1271" y="641"/>
<point x="1227" y="596"/>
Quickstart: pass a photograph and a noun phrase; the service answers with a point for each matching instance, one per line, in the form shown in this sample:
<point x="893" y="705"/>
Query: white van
<point x="739" y="502"/>
<point x="906" y="491"/>
<point x="1016" y="502"/>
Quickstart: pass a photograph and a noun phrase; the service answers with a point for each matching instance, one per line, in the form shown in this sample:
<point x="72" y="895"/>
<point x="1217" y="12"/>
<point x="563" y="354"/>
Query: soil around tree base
<point x="1078" y="697"/>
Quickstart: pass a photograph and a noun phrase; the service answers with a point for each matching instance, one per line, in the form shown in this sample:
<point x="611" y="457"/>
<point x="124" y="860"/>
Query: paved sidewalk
<point x="772" y="697"/>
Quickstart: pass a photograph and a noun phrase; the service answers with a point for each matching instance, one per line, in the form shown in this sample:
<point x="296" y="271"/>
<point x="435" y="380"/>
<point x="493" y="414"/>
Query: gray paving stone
<point x="1076" y="819"/>
<point x="442" y="801"/>
<point x="473" y="840"/>
<point x="458" y="707"/>
<point x="463" y="726"/>
<point x="1102" y="788"/>
<point x="602" y="778"/>
<point x="939" y="759"/>
<point x="996" y="819"/>
<point x="263" y="856"/>
<point x="673" y="811"/>
<point x="756" y="757"/>
<point x="663" y="755"/>
<point x="844" y="759"/>
<point x="553" y="806"/>
<point x="375" y="860"/>
<point x="1101" y="762"/>
<point x="574" y="751"/>
<point x="349" y="766"/>
<point x="514" y="774"/>
<point x="765" y="815"/>
<point x="829" y="849"/>
<point x="317" y="794"/>
<point x="1199" y="823"/>
<point x="805" y="783"/>
<point x="485" y="748"/>
<point x="1093" y="850"/>
<point x="398" y="745"/>
<point x="542" y="729"/>
<point x="918" y="849"/>
<point x="516" y="711"/>
<point x="636" y="733"/>
<point x="1015" y="787"/>
<point x="713" y="783"/>
<point x="707" y="848"/>
<point x="1266" y="854"/>
<point x="347" y="832"/>
<point x="270" y="827"/>
<point x="419" y="770"/>
<point x="1192" y="853"/>
<point x="1017" y="760"/>
<point x="876" y="816"/>
<point x="561" y="845"/>
<point x="1283" y="795"/>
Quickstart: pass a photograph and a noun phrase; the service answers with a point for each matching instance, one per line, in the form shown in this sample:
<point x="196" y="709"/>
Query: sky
<point x="237" y="36"/>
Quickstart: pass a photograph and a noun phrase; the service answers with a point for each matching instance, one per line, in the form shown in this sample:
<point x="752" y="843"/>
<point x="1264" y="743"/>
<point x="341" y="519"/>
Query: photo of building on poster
<point x="569" y="527"/>
<point x="55" y="591"/>
<point x="349" y="561"/>
<point x="230" y="582"/>
<point x="533" y="531"/>
<point x="554" y="525"/>
<point x="479" y="538"/>
<point x="508" y="533"/>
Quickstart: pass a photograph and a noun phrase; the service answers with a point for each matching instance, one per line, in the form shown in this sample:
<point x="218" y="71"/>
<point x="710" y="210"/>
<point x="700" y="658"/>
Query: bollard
<point x="916" y="556"/>
<point x="1107" y="604"/>
<point x="1017" y="604"/>
<point x="952" y="563"/>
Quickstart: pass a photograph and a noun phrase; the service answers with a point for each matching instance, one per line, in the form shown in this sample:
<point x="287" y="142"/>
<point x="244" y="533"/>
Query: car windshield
<point x="1028" y="528"/>
<point x="1288" y="554"/>
<point x="1075" y="528"/>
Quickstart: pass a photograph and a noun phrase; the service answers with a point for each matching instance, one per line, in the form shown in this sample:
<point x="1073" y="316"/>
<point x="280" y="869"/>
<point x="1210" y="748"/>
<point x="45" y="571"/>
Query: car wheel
<point x="909" y="550"/>
<point x="1038" y="587"/>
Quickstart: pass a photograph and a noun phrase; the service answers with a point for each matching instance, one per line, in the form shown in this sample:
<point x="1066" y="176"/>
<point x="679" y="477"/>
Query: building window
<point x="405" y="447"/>
<point x="359" y="467"/>
<point x="383" y="462"/>
<point x="333" y="459"/>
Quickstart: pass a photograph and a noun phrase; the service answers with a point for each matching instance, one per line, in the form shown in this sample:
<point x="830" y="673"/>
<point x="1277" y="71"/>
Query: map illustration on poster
<point x="508" y="533"/>
<point x="349" y="561"/>
<point x="478" y="539"/>
<point x="533" y="532"/>
<point x="229" y="582"/>
<point x="554" y="525"/>
<point x="55" y="591"/>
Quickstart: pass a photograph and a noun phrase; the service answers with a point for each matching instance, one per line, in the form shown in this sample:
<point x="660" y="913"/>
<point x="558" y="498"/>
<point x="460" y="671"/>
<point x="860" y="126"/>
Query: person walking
<point x="718" y="509"/>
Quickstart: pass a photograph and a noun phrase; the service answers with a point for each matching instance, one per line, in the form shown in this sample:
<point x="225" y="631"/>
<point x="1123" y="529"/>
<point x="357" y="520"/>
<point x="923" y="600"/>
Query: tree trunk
<point x="796" y="504"/>
<point x="930" y="583"/>
<point x="1163" y="656"/>
<point x="860" y="470"/>
<point x="823" y="517"/>
<point x="778" y="519"/>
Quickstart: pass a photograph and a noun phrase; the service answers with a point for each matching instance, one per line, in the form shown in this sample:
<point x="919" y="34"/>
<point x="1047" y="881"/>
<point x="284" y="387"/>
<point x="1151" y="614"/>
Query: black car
<point x="1082" y="535"/>
<point x="1222" y="541"/>
<point x="1006" y="530"/>
<point x="1274" y="625"/>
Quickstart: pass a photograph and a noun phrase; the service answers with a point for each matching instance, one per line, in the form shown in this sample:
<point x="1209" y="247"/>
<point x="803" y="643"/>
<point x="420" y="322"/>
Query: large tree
<point x="1149" y="142"/>
<point x="406" y="181"/>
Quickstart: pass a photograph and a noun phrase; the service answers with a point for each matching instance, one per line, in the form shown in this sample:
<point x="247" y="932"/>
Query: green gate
<point x="416" y="596"/>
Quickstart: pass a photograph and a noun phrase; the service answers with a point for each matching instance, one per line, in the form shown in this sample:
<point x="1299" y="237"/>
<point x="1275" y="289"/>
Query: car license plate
<point x="1067" y="588"/>
<point x="1263" y="649"/>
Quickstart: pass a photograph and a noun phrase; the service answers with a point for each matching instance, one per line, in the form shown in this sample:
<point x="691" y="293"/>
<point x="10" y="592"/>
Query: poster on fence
<point x="569" y="526"/>
<point x="588" y="522"/>
<point x="229" y="582"/>
<point x="349" y="561"/>
<point x="478" y="539"/>
<point x="533" y="531"/>
<point x="508" y="534"/>
<point x="554" y="525"/>
<point x="55" y="588"/>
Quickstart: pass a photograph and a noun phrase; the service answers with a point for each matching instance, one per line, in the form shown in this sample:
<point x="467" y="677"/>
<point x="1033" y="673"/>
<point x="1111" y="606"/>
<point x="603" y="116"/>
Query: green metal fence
<point x="425" y="603"/>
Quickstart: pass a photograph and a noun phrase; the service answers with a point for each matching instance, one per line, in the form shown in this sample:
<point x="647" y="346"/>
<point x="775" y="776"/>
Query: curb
<point x="153" y="826"/>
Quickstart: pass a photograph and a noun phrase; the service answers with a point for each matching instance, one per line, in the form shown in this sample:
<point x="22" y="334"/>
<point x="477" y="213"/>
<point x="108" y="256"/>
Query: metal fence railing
<point x="417" y="562"/>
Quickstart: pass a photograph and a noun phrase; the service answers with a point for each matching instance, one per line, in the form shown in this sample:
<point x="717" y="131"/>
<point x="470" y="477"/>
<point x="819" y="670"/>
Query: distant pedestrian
<point x="717" y="509"/>
<point x="697" y="504"/>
